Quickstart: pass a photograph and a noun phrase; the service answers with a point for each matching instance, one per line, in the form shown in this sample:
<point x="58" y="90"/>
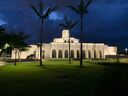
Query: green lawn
<point x="58" y="78"/>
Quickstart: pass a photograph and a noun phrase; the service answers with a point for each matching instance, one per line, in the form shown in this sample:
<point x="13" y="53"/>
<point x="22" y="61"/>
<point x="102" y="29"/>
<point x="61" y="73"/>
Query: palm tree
<point x="68" y="25"/>
<point x="81" y="9"/>
<point x="117" y="55"/>
<point x="17" y="42"/>
<point x="42" y="14"/>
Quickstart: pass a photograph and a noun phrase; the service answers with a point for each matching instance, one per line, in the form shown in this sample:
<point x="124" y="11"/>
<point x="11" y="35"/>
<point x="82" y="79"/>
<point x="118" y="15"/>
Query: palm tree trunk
<point x="19" y="56"/>
<point x="117" y="57"/>
<point x="81" y="41"/>
<point x="69" y="49"/>
<point x="41" y="41"/>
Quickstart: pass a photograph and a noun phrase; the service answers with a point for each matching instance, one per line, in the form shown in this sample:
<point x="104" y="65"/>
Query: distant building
<point x="59" y="48"/>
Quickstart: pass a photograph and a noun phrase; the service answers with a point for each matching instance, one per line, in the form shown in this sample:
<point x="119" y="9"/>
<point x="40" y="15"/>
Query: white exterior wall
<point x="48" y="49"/>
<point x="110" y="50"/>
<point x="24" y="54"/>
<point x="96" y="50"/>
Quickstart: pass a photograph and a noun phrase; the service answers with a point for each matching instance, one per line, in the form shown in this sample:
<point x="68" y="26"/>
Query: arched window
<point x="89" y="54"/>
<point x="54" y="54"/>
<point x="95" y="55"/>
<point x="66" y="54"/>
<point x="78" y="54"/>
<point x="83" y="54"/>
<point x="72" y="42"/>
<point x="72" y="53"/>
<point x="60" y="54"/>
<point x="100" y="54"/>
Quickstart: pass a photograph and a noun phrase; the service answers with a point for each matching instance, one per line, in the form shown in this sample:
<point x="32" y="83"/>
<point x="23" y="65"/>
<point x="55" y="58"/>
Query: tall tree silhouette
<point x="81" y="9"/>
<point x="42" y="14"/>
<point x="17" y="42"/>
<point x="68" y="25"/>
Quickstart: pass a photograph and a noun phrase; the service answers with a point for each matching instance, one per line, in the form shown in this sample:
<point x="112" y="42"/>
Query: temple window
<point x="72" y="42"/>
<point x="65" y="41"/>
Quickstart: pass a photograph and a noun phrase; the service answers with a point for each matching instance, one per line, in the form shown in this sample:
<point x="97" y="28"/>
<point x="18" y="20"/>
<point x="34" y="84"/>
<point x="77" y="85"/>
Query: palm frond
<point x="85" y="10"/>
<point x="41" y="6"/>
<point x="69" y="24"/>
<point x="88" y="3"/>
<point x="74" y="9"/>
<point x="73" y="24"/>
<point x="49" y="11"/>
<point x="81" y="7"/>
<point x="66" y="21"/>
<point x="81" y="4"/>
<point x="63" y="26"/>
<point x="54" y="8"/>
<point x="36" y="11"/>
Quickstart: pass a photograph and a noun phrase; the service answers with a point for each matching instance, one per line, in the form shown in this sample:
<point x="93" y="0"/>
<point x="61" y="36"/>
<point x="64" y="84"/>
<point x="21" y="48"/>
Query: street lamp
<point x="126" y="50"/>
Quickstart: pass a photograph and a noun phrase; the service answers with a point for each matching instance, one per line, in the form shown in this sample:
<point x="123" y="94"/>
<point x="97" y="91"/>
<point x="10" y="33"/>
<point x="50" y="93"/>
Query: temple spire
<point x="65" y="34"/>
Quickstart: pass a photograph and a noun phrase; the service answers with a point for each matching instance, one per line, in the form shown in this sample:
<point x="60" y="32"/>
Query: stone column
<point x="86" y="53"/>
<point x="51" y="54"/>
<point x="75" y="53"/>
<point x="103" y="56"/>
<point x="56" y="54"/>
<point x="92" y="54"/>
<point x="98" y="54"/>
<point x="63" y="53"/>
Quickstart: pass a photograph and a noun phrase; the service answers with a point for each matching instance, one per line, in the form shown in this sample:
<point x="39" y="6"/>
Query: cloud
<point x="56" y="16"/>
<point x="106" y="20"/>
<point x="2" y="22"/>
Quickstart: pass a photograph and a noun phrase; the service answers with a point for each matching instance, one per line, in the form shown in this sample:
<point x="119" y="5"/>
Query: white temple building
<point x="59" y="48"/>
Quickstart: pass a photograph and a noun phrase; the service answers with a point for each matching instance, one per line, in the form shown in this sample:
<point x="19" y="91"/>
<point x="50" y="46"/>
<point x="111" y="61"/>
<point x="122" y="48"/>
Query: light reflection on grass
<point x="58" y="78"/>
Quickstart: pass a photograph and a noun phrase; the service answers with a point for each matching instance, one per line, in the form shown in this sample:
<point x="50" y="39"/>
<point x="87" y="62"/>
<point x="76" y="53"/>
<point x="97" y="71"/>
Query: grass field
<point x="58" y="78"/>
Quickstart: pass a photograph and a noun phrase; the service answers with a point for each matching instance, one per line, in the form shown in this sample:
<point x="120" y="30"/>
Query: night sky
<point x="106" y="22"/>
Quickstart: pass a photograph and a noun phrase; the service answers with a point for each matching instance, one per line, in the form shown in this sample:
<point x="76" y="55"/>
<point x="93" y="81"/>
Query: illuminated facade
<point x="59" y="48"/>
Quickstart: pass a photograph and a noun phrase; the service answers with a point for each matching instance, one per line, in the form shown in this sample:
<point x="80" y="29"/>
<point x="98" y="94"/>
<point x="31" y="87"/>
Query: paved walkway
<point x="2" y="63"/>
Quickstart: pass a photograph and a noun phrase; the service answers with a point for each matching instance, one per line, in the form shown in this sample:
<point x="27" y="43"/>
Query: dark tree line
<point x="15" y="41"/>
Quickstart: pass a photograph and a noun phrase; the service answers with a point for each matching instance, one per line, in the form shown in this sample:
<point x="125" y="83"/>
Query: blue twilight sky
<point x="107" y="20"/>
